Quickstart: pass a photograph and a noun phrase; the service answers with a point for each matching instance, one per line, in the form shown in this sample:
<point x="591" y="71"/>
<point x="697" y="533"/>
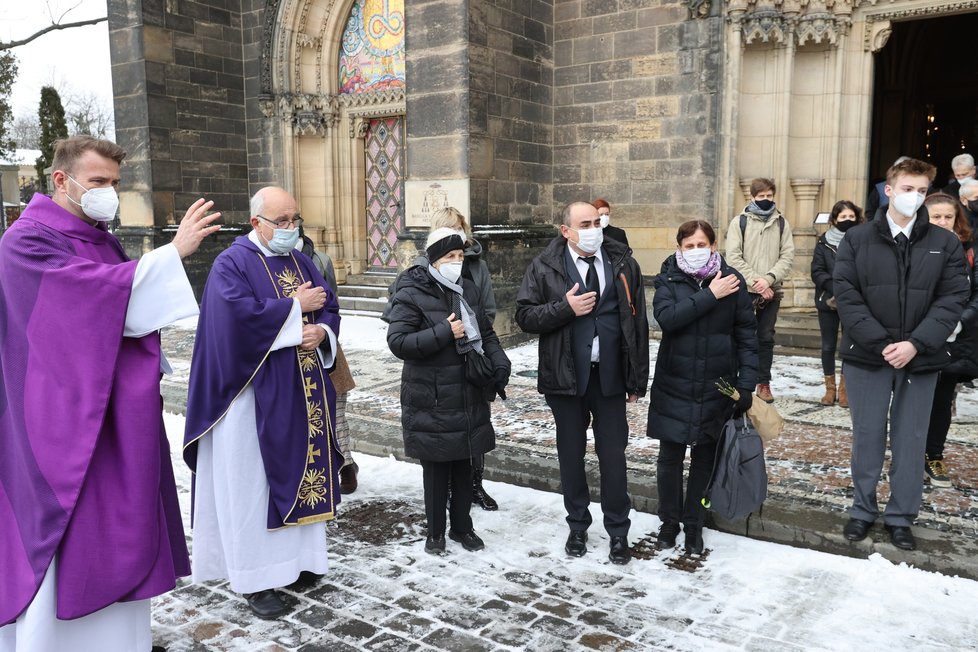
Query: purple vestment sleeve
<point x="242" y="313"/>
<point x="84" y="463"/>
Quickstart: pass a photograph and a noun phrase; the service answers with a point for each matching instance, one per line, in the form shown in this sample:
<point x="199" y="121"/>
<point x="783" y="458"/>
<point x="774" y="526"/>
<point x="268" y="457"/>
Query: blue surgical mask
<point x="284" y="240"/>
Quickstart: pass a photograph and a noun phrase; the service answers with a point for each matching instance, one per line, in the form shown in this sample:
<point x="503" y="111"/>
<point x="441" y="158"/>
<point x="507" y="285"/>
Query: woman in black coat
<point x="436" y="325"/>
<point x="708" y="336"/>
<point x="844" y="214"/>
<point x="946" y="212"/>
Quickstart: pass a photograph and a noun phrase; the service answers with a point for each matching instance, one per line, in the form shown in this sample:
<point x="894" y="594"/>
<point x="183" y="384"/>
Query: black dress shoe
<point x="620" y="554"/>
<point x="901" y="537"/>
<point x="576" y="544"/>
<point x="856" y="529"/>
<point x="306" y="580"/>
<point x="469" y="540"/>
<point x="435" y="545"/>
<point x="267" y="603"/>
<point x="667" y="536"/>
<point x="694" y="540"/>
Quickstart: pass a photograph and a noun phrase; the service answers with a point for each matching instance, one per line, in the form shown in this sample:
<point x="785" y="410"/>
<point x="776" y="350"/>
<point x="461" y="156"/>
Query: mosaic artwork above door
<point x="384" y="149"/>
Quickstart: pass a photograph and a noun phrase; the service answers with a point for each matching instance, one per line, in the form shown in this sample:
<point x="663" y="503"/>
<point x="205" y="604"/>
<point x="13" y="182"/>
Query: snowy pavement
<point x="383" y="592"/>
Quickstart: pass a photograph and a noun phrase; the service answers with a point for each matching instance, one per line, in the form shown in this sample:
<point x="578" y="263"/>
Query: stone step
<point x="375" y="279"/>
<point x="363" y="305"/>
<point x="363" y="291"/>
<point x="797" y="338"/>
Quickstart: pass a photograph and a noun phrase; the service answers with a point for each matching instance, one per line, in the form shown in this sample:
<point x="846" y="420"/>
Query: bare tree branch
<point x="50" y="28"/>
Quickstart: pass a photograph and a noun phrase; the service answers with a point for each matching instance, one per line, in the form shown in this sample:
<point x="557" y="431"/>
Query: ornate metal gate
<point x="384" y="148"/>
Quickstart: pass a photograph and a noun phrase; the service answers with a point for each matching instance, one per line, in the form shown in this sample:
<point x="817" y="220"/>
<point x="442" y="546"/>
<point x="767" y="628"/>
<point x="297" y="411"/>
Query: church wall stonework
<point x="637" y="86"/>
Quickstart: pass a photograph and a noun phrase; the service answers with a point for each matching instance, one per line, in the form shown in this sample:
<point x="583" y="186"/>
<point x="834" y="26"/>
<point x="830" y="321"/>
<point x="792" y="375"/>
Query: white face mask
<point x="451" y="271"/>
<point x="99" y="204"/>
<point x="605" y="220"/>
<point x="283" y="240"/>
<point x="589" y="240"/>
<point x="907" y="203"/>
<point x="697" y="258"/>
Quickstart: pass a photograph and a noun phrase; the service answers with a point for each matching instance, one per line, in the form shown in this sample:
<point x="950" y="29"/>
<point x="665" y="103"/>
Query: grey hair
<point x="566" y="213"/>
<point x="967" y="186"/>
<point x="963" y="161"/>
<point x="901" y="160"/>
<point x="257" y="204"/>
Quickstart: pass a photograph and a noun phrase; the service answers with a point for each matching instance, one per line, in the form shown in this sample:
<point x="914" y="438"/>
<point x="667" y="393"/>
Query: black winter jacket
<point x="704" y="340"/>
<point x="964" y="348"/>
<point x="884" y="298"/>
<point x="823" y="262"/>
<point x="443" y="416"/>
<point x="542" y="307"/>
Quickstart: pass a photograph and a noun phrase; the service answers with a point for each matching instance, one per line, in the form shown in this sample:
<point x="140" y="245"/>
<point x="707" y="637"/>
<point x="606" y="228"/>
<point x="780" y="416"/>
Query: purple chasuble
<point x="84" y="463"/>
<point x="247" y="301"/>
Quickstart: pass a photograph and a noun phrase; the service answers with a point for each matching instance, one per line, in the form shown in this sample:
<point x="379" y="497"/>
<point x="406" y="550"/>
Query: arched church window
<point x="372" y="56"/>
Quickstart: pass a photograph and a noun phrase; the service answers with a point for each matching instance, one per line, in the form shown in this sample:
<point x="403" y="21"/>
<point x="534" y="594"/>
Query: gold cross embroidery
<point x="312" y="455"/>
<point x="309" y="386"/>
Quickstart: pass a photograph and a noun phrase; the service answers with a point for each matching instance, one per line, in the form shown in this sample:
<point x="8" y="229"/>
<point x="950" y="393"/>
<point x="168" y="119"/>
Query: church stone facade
<point x="375" y="112"/>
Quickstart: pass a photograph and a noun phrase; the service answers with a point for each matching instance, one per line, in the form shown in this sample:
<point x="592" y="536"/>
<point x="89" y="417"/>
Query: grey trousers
<point x="906" y="397"/>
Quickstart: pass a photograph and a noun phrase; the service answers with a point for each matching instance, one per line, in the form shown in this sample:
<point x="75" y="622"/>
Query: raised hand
<point x="194" y="227"/>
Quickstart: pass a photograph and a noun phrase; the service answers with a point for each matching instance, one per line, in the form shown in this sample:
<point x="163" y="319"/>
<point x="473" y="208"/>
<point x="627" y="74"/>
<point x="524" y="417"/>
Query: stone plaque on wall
<point x="423" y="198"/>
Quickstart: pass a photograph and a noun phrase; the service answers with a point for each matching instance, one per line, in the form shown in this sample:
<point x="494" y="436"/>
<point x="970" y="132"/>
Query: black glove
<point x="500" y="376"/>
<point x="744" y="402"/>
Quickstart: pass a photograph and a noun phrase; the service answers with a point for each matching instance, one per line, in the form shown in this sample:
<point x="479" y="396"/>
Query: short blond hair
<point x="447" y="218"/>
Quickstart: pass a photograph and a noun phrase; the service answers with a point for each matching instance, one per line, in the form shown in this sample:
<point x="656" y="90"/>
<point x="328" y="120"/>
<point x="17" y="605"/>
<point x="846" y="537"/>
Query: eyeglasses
<point x="284" y="223"/>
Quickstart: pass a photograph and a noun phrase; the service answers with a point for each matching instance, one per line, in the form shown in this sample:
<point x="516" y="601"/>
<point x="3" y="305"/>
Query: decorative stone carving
<point x="766" y="26"/>
<point x="879" y="35"/>
<point x="778" y="21"/>
<point x="821" y="28"/>
<point x="699" y="8"/>
<point x="878" y="26"/>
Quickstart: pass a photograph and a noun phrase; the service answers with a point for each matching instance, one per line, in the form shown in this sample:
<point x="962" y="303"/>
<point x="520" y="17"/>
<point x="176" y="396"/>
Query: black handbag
<point x="478" y="369"/>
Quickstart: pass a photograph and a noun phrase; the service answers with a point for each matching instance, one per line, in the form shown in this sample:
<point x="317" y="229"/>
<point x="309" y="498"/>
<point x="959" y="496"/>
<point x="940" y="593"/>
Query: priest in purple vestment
<point x="90" y="527"/>
<point x="260" y="412"/>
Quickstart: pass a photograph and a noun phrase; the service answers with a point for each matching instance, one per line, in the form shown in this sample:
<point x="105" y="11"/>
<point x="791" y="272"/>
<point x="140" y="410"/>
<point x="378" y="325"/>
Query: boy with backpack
<point x="760" y="247"/>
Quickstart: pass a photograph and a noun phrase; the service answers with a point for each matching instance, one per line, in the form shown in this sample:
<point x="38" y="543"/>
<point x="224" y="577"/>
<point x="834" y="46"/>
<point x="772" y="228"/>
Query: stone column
<point x="806" y="193"/>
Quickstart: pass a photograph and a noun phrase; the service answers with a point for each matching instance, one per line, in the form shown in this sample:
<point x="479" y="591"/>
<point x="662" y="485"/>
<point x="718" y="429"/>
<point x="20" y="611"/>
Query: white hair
<point x="967" y="186"/>
<point x="901" y="160"/>
<point x="963" y="161"/>
<point x="257" y="204"/>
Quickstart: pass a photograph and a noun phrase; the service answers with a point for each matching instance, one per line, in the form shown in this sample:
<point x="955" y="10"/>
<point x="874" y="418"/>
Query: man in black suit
<point x="584" y="296"/>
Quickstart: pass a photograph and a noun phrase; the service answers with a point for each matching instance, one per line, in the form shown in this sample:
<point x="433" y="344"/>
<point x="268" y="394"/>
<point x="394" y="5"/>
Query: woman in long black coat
<point x="844" y="215"/>
<point x="708" y="337"/>
<point x="436" y="323"/>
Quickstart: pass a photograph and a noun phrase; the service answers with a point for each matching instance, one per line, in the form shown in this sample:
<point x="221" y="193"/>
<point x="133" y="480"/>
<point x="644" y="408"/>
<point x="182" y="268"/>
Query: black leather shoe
<point x="479" y="495"/>
<point x="469" y="540"/>
<point x="667" y="536"/>
<point x="901" y="537"/>
<point x="306" y="580"/>
<point x="856" y="529"/>
<point x="620" y="554"/>
<point x="266" y="604"/>
<point x="694" y="540"/>
<point x="576" y="544"/>
<point x="435" y="545"/>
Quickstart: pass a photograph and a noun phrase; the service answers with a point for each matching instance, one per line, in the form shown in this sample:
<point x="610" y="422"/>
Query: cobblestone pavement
<point x="383" y="592"/>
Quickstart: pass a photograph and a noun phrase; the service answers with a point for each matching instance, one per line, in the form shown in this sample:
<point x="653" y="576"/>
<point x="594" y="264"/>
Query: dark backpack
<point x="739" y="483"/>
<point x="743" y="225"/>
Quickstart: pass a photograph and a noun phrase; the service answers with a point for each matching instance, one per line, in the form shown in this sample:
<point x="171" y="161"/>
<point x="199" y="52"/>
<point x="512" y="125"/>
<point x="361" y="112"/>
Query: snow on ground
<point x="747" y="591"/>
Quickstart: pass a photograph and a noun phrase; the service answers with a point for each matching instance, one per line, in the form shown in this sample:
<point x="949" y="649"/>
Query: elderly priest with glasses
<point x="260" y="412"/>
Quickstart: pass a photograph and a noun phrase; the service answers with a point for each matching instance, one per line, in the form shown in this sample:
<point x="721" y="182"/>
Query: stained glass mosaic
<point x="372" y="51"/>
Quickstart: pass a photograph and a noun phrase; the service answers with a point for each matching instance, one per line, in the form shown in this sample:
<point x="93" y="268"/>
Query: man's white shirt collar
<point x="894" y="229"/>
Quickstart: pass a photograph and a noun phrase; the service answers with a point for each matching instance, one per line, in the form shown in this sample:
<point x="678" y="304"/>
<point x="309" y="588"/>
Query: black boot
<point x="479" y="495"/>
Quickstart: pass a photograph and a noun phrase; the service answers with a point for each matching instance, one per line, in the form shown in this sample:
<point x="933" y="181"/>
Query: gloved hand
<point x="744" y="402"/>
<point x="500" y="377"/>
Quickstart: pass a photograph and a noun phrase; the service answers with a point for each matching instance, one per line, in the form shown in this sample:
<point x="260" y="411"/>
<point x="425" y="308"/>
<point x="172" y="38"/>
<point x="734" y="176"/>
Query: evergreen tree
<point x="8" y="73"/>
<point x="53" y="128"/>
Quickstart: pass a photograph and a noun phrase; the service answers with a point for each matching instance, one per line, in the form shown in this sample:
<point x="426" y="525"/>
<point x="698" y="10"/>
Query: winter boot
<point x="843" y="397"/>
<point x="764" y="393"/>
<point x="479" y="495"/>
<point x="829" y="398"/>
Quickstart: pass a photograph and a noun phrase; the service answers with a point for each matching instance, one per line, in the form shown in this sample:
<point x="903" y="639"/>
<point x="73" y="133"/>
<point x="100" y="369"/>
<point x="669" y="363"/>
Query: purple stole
<point x="318" y="491"/>
<point x="247" y="301"/>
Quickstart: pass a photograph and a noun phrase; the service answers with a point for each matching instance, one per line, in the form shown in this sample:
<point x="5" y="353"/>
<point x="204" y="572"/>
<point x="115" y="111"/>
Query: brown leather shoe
<point x="348" y="478"/>
<point x="764" y="393"/>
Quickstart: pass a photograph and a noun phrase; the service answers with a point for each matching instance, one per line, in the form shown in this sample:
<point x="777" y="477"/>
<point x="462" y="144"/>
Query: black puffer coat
<point x="964" y="348"/>
<point x="884" y="298"/>
<point x="443" y="416"/>
<point x="542" y="307"/>
<point x="704" y="340"/>
<point x="823" y="262"/>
